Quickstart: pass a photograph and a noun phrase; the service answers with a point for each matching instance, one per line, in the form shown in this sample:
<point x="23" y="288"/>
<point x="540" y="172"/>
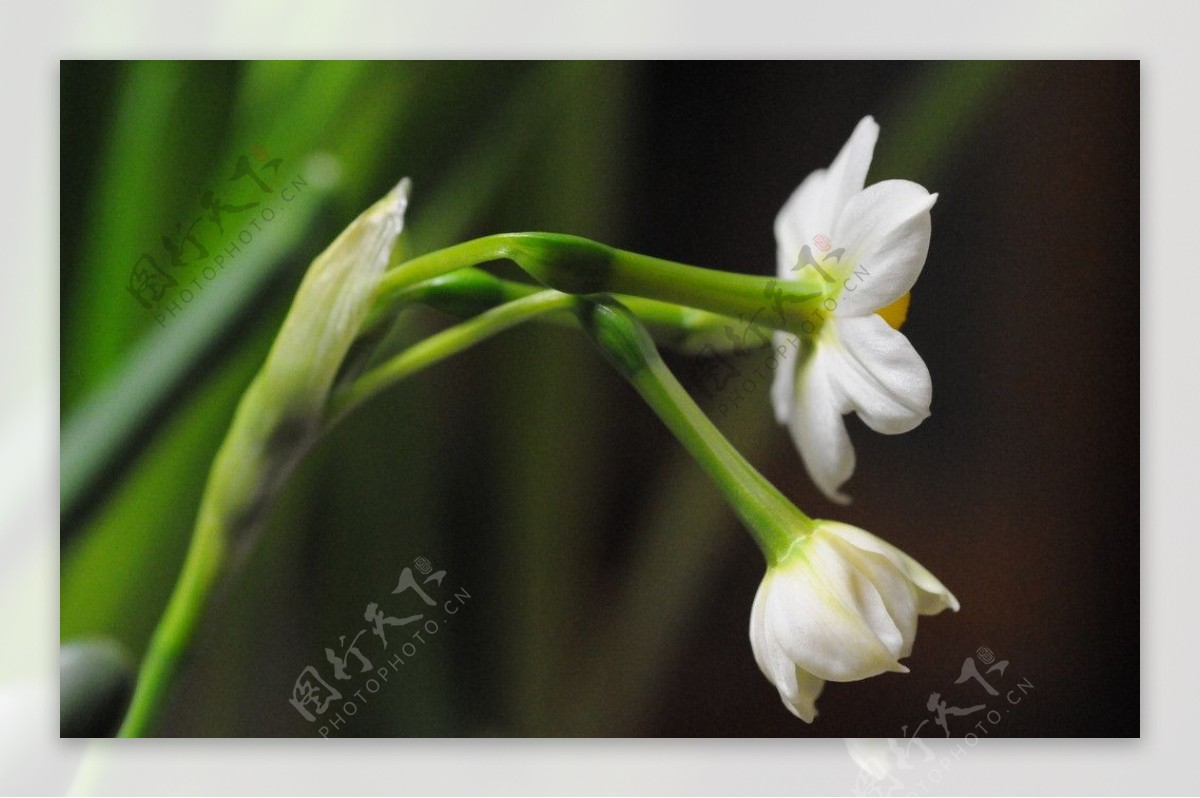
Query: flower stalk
<point x="773" y="521"/>
<point x="470" y="291"/>
<point x="579" y="266"/>
<point x="442" y="345"/>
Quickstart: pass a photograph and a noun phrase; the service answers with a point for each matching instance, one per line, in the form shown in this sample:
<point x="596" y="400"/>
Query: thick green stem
<point x="577" y="265"/>
<point x="772" y="519"/>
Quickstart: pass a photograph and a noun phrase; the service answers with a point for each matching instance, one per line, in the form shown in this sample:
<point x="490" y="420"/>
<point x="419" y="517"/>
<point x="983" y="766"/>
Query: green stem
<point x="443" y="345"/>
<point x="398" y="285"/>
<point x="205" y="561"/>
<point x="470" y="291"/>
<point x="745" y="297"/>
<point x="266" y="440"/>
<point x="577" y="265"/>
<point x="772" y="519"/>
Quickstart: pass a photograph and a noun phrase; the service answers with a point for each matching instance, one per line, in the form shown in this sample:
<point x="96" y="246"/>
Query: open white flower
<point x="869" y="246"/>
<point x="840" y="606"/>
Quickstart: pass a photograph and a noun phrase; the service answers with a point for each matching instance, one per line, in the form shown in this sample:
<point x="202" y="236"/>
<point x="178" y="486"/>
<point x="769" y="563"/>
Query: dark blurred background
<point x="610" y="587"/>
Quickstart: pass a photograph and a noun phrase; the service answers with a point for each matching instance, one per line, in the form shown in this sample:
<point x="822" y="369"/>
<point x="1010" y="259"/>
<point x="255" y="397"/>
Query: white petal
<point x="783" y="384"/>
<point x="825" y="614"/>
<point x="801" y="213"/>
<point x="798" y="689"/>
<point x="771" y="658"/>
<point x="933" y="597"/>
<point x="885" y="232"/>
<point x="817" y="427"/>
<point x="802" y="701"/>
<point x="759" y="643"/>
<point x="815" y="206"/>
<point x="877" y="372"/>
<point x="898" y="593"/>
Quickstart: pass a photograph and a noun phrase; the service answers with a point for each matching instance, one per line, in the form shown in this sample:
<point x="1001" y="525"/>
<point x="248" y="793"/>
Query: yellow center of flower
<point x="896" y="313"/>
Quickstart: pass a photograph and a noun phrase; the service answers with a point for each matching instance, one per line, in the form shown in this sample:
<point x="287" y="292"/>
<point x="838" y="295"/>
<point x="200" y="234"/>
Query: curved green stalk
<point x="443" y="345"/>
<point x="772" y="519"/>
<point x="577" y="265"/>
<point x="471" y="291"/>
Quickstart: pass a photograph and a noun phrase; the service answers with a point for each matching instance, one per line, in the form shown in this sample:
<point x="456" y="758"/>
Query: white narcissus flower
<point x="840" y="605"/>
<point x="869" y="246"/>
